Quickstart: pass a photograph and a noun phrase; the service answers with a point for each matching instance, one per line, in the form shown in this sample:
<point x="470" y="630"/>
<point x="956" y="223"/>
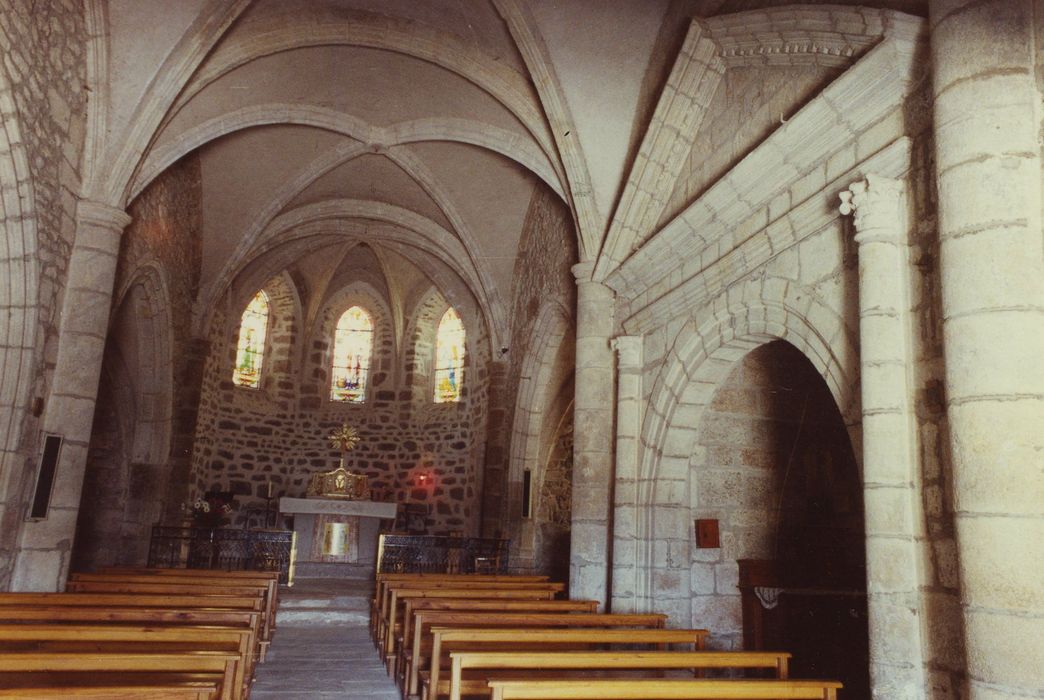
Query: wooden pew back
<point x="463" y="661"/>
<point x="43" y="669"/>
<point x="424" y="620"/>
<point x="447" y="639"/>
<point x="661" y="689"/>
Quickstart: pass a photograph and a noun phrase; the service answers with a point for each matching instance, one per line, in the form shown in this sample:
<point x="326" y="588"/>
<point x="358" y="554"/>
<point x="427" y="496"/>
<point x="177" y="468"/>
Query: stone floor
<point x="326" y="660"/>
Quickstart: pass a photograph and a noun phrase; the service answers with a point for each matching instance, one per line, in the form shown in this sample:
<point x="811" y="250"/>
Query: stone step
<point x="320" y="615"/>
<point x="288" y="602"/>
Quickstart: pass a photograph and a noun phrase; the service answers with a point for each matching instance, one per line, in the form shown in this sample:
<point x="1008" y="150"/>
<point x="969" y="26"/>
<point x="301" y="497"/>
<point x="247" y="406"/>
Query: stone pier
<point x="46" y="545"/>
<point x="593" y="446"/>
<point x="891" y="474"/>
<point x="987" y="127"/>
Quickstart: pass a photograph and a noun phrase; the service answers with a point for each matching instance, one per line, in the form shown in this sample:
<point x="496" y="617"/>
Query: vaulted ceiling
<point x="421" y="128"/>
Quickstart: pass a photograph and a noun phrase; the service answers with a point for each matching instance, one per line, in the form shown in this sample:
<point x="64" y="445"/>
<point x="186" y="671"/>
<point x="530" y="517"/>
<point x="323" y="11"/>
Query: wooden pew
<point x="195" y="690"/>
<point x="383" y="580"/>
<point x="492" y="662"/>
<point x="403" y="644"/>
<point x="78" y="669"/>
<point x="395" y="595"/>
<point x="265" y="584"/>
<point x="181" y="588"/>
<point x="130" y="638"/>
<point x="387" y="606"/>
<point x="248" y="621"/>
<point x="425" y="620"/>
<point x="445" y="640"/>
<point x="661" y="689"/>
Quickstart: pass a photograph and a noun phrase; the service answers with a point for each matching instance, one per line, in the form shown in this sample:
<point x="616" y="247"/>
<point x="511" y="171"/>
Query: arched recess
<point x="420" y="353"/>
<point x="383" y="365"/>
<point x="128" y="459"/>
<point x="147" y="293"/>
<point x="19" y="301"/>
<point x="703" y="354"/>
<point x="546" y="370"/>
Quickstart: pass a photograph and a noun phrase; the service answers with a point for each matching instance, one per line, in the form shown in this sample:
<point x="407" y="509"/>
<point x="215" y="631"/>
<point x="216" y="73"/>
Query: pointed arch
<point x="250" y="348"/>
<point x="353" y="349"/>
<point x="449" y="357"/>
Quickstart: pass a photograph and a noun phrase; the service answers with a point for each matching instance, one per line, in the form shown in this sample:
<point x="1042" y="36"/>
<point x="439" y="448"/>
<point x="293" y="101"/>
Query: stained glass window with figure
<point x="353" y="345"/>
<point x="449" y="357"/>
<point x="250" y="351"/>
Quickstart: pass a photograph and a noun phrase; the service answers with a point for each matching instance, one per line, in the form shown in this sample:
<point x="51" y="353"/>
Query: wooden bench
<point x="403" y="644"/>
<point x="267" y="579"/>
<point x="134" y="638"/>
<point x="383" y="580"/>
<point x="387" y="610"/>
<point x="92" y="669"/>
<point x="499" y="661"/>
<point x="425" y="620"/>
<point x="389" y="620"/>
<point x="182" y="587"/>
<point x="444" y="640"/>
<point x="661" y="689"/>
<point x="106" y="603"/>
<point x="195" y="690"/>
<point x="248" y="621"/>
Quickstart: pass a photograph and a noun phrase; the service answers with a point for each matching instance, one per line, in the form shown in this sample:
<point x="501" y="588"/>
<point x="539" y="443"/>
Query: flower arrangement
<point x="212" y="508"/>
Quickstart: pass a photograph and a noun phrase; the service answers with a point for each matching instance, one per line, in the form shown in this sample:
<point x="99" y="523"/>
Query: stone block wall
<point x="246" y="438"/>
<point x="766" y="97"/>
<point x="774" y="465"/>
<point x="43" y="115"/>
<point x="538" y="389"/>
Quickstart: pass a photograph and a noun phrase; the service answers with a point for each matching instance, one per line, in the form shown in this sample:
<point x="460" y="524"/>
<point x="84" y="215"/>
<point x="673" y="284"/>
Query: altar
<point x="336" y="531"/>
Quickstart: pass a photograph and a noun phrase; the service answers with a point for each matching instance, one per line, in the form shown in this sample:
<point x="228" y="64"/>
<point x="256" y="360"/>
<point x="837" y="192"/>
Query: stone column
<point x="891" y="473"/>
<point x="988" y="166"/>
<point x="592" y="440"/>
<point x="625" y="493"/>
<point x="45" y="546"/>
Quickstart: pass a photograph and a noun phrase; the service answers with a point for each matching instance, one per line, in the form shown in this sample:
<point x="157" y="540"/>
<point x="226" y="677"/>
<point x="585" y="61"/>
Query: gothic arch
<point x="466" y="131"/>
<point x="147" y="291"/>
<point x="400" y="225"/>
<point x="19" y="269"/>
<point x="700" y="358"/>
<point x="535" y="396"/>
<point x="501" y="82"/>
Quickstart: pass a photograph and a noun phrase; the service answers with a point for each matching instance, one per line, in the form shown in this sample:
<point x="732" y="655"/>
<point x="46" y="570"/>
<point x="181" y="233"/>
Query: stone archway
<point x="773" y="465"/>
<point x="532" y="439"/>
<point x="128" y="460"/>
<point x="699" y="360"/>
<point x="18" y="337"/>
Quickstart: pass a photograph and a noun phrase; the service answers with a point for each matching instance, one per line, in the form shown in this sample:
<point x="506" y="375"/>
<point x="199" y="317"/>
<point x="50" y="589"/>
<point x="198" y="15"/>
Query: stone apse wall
<point x="247" y="437"/>
<point x="754" y="249"/>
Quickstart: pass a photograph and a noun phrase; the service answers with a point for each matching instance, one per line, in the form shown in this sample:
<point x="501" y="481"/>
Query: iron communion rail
<point x="403" y="553"/>
<point x="228" y="549"/>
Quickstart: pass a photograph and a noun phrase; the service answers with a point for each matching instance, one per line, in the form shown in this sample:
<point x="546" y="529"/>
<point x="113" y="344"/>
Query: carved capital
<point x="875" y="203"/>
<point x="628" y="351"/>
<point x="100" y="215"/>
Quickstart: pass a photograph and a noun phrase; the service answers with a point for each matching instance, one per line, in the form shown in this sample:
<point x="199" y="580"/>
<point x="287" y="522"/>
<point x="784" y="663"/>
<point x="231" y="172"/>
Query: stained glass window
<point x="353" y="344"/>
<point x="250" y="351"/>
<point x="449" y="357"/>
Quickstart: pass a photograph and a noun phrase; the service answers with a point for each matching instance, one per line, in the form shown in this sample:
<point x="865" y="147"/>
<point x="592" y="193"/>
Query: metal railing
<point x="401" y="553"/>
<point x="225" y="549"/>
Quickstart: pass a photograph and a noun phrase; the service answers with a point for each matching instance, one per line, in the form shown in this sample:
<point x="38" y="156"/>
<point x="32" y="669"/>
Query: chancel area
<point x="729" y="312"/>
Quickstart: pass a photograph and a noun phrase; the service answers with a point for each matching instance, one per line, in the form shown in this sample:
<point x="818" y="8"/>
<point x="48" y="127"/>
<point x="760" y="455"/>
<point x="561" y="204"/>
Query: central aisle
<point x="313" y="659"/>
